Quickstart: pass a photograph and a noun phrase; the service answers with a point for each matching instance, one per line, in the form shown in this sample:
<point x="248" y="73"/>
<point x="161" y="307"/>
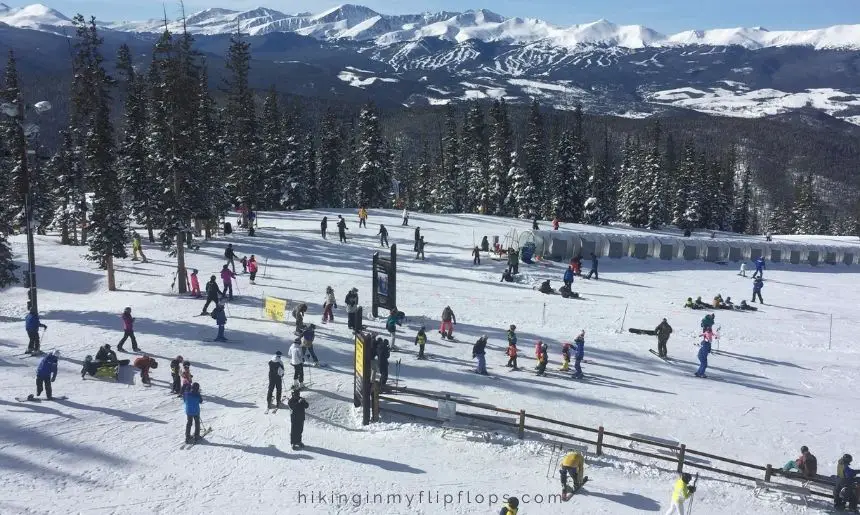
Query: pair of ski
<point x="33" y="398"/>
<point x="187" y="445"/>
<point x="488" y="376"/>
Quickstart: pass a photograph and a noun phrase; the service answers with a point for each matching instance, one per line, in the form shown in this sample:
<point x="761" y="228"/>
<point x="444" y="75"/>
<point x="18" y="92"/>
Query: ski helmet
<point x="513" y="328"/>
<point x="686" y="477"/>
<point x="513" y="502"/>
<point x="186" y="364"/>
<point x="55" y="353"/>
<point x="127" y="310"/>
<point x="846" y="460"/>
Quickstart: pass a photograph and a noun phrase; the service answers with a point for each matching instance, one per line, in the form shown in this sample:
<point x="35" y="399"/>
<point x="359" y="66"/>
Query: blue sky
<point x="667" y="16"/>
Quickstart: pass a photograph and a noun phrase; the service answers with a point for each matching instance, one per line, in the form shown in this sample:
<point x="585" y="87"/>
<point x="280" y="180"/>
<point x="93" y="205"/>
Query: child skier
<point x="128" y="330"/>
<point x="221" y="320"/>
<point x="543" y="359"/>
<point x="479" y="353"/>
<point x="565" y="357"/>
<point x="186" y="377"/>
<point x="704" y="350"/>
<point x="512" y="354"/>
<point x="299" y="314"/>
<point x="144" y="363"/>
<point x="391" y="326"/>
<point x="174" y="374"/>
<point x="244" y="262"/>
<point x="743" y="272"/>
<point x="195" y="284"/>
<point x="446" y="329"/>
<point x="308" y="343"/>
<point x="252" y="268"/>
<point x="579" y="354"/>
<point x="192" y="400"/>
<point x="328" y="305"/>
<point x="297" y="360"/>
<point x="680" y="493"/>
<point x="420" y="341"/>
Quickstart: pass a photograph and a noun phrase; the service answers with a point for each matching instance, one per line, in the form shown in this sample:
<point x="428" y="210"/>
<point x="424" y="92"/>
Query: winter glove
<point x="692" y="489"/>
<point x="53" y="378"/>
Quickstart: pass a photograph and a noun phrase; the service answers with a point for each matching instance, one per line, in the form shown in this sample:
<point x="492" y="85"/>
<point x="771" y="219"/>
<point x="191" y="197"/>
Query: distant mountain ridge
<point x="359" y="23"/>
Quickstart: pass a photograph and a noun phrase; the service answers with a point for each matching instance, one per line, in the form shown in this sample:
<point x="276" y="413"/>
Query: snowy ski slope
<point x="115" y="447"/>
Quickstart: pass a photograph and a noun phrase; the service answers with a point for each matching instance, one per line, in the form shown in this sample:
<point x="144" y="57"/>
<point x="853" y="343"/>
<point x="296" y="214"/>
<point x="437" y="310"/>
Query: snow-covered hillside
<point x="360" y="23"/>
<point x="115" y="447"/>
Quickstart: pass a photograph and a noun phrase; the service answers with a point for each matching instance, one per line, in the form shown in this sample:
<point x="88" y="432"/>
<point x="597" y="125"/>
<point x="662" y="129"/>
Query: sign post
<point x="384" y="282"/>
<point x="361" y="379"/>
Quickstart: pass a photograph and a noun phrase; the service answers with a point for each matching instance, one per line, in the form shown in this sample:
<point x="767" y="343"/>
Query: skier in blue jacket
<point x="568" y="276"/>
<point x="578" y="355"/>
<point x="193" y="400"/>
<point x="221" y="319"/>
<point x="704" y="350"/>
<point x="46" y="373"/>
<point x="32" y="325"/>
<point x="757" y="286"/>
<point x="759" y="267"/>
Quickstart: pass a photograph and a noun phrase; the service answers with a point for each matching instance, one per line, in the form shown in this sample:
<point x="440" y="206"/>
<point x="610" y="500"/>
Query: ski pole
<point x="237" y="286"/>
<point x="693" y="495"/>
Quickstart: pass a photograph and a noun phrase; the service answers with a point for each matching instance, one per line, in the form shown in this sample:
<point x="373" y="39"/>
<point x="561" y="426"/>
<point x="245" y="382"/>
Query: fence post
<point x="599" y="449"/>
<point x="521" y="430"/>
<point x="768" y="472"/>
<point x="681" y="452"/>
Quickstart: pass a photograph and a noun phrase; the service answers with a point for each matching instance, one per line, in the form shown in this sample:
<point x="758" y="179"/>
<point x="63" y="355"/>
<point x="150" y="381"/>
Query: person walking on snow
<point x="485" y="244"/>
<point x="391" y="324"/>
<point x="297" y="360"/>
<point x="420" y="253"/>
<point x="743" y="272"/>
<point x="137" y="247"/>
<point x="230" y="256"/>
<point x="704" y="350"/>
<point x="128" y="330"/>
<point x="32" y="325"/>
<point x="341" y="229"/>
<point x="593" y="270"/>
<point x="362" y="218"/>
<point x="175" y="364"/>
<point x="46" y="373"/>
<point x="417" y="237"/>
<point x="476" y="256"/>
<point x="383" y="236"/>
<point x="351" y="302"/>
<point x="663" y="331"/>
<point x="324" y="227"/>
<point x="252" y="268"/>
<point x="449" y="320"/>
<point x="759" y="268"/>
<point x="680" y="493"/>
<point x="513" y="261"/>
<point x="479" y="352"/>
<point x="195" y="284"/>
<point x="297" y="405"/>
<point x="212" y="294"/>
<point x="758" y="284"/>
<point x="144" y="364"/>
<point x="192" y="400"/>
<point x="405" y="217"/>
<point x="227" y="278"/>
<point x="276" y="379"/>
<point x="511" y="353"/>
<point x="221" y="320"/>
<point x="578" y="354"/>
<point x="308" y="343"/>
<point x="420" y="341"/>
<point x="328" y="305"/>
<point x="244" y="262"/>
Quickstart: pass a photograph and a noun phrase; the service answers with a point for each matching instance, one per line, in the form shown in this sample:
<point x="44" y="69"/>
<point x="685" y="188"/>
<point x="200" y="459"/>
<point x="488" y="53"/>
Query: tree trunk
<point x="64" y="230"/>
<point x="110" y="273"/>
<point x="181" y="274"/>
<point x="84" y="221"/>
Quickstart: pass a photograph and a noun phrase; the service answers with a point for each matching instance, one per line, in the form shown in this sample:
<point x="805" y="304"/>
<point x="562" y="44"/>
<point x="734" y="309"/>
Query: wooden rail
<point x="520" y="425"/>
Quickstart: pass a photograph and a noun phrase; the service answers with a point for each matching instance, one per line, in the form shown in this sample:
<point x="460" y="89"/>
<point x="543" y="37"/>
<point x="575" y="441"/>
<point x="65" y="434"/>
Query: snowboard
<point x="649" y="332"/>
<point x="187" y="445"/>
<point x="568" y="492"/>
<point x="33" y="398"/>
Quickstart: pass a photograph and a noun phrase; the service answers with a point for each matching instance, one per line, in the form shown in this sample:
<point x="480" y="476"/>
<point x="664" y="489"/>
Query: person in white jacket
<point x="743" y="272"/>
<point x="328" y="305"/>
<point x="297" y="360"/>
<point x="405" y="217"/>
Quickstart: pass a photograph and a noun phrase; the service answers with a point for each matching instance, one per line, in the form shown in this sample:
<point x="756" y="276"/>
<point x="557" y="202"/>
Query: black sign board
<point x="384" y="282"/>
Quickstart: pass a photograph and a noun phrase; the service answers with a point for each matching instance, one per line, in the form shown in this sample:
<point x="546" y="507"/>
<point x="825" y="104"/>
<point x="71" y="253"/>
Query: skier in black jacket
<point x="297" y="405"/>
<point x="324" y="226"/>
<point x="213" y="293"/>
<point x="417" y="237"/>
<point x="383" y="236"/>
<point x="383" y="353"/>
<point x="230" y="256"/>
<point x="276" y="381"/>
<point x="341" y="228"/>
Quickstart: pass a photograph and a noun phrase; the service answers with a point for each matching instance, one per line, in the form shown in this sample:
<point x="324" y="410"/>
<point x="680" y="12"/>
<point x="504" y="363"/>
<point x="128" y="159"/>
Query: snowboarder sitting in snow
<point x="806" y="464"/>
<point x="144" y="364"/>
<point x="728" y="304"/>
<point x="573" y="465"/>
<point x="546" y="288"/>
<point x="746" y="307"/>
<point x="700" y="304"/>
<point x="690" y="304"/>
<point x="565" y="292"/>
<point x="718" y="302"/>
<point x="846" y="490"/>
<point x="420" y="341"/>
<point x="507" y="276"/>
<point x="106" y="355"/>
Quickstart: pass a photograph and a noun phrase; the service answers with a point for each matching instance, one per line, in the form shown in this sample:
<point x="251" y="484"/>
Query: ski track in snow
<point x="115" y="447"/>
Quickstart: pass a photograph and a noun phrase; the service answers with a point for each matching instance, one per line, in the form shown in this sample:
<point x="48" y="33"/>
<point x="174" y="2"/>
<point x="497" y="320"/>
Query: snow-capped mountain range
<point x="356" y="53"/>
<point x="358" y="23"/>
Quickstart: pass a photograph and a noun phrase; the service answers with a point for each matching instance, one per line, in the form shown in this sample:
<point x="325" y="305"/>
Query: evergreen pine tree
<point x="741" y="216"/>
<point x="567" y="202"/>
<point x="598" y="207"/>
<point x="373" y="182"/>
<point x="211" y="194"/>
<point x="538" y="198"/>
<point x="499" y="157"/>
<point x="242" y="138"/>
<point x="685" y="185"/>
<point x="521" y="190"/>
<point x="274" y="151"/>
<point x="445" y="194"/>
<point x="476" y="170"/>
<point x="654" y="172"/>
<point x="807" y="212"/>
<point x="328" y="161"/>
<point x="310" y="197"/>
<point x="291" y="180"/>
<point x="108" y="223"/>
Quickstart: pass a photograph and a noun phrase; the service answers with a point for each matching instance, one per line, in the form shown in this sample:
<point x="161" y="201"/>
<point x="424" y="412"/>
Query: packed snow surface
<point x="114" y="447"/>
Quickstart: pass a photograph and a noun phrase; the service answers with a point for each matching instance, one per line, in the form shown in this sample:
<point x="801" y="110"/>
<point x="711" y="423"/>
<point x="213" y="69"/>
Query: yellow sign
<point x="359" y="357"/>
<point x="275" y="309"/>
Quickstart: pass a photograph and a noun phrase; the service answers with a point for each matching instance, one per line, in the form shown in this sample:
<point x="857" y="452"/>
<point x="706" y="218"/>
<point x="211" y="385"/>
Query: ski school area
<point x="442" y="437"/>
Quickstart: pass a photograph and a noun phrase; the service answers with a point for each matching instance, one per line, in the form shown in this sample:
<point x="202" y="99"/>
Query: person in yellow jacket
<point x="682" y="491"/>
<point x="362" y="217"/>
<point x="511" y="507"/>
<point x="573" y="464"/>
<point x="137" y="247"/>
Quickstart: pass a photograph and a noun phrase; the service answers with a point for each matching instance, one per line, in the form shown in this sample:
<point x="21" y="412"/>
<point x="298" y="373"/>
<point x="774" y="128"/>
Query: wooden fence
<point x="602" y="440"/>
